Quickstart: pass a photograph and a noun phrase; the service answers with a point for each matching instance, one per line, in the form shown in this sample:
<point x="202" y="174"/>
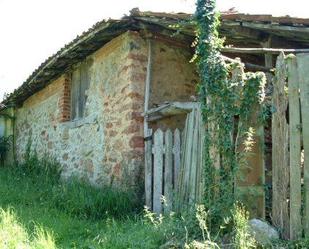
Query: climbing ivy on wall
<point x="223" y="98"/>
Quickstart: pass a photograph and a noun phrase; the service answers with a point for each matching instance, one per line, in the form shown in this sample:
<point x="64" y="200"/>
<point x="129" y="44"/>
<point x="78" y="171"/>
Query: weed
<point x="242" y="236"/>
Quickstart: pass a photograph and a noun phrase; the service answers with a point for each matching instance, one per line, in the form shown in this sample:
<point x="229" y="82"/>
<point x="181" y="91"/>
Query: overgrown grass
<point x="37" y="210"/>
<point x="43" y="209"/>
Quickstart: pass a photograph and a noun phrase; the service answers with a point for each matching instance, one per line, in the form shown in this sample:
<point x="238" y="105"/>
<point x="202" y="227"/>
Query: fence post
<point x="168" y="171"/>
<point x="303" y="65"/>
<point x="157" y="171"/>
<point x="280" y="160"/>
<point x="176" y="151"/>
<point x="295" y="150"/>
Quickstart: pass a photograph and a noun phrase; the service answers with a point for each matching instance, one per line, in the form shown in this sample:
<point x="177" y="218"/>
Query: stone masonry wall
<point x="174" y="79"/>
<point x="106" y="146"/>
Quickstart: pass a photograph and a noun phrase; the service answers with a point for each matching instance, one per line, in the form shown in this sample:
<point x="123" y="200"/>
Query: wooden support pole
<point x="268" y="59"/>
<point x="148" y="132"/>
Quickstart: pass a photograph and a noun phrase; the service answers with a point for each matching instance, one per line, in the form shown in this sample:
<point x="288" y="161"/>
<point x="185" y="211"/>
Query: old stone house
<point x="84" y="105"/>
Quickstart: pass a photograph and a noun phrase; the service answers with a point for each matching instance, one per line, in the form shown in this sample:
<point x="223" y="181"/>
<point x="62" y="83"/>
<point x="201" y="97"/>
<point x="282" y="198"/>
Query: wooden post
<point x="295" y="150"/>
<point x="194" y="151"/>
<point x="268" y="59"/>
<point x="260" y="129"/>
<point x="303" y="66"/>
<point x="148" y="132"/>
<point x="280" y="154"/>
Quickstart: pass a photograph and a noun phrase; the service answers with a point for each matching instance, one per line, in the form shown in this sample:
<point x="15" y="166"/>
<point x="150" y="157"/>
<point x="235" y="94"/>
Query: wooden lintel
<point x="170" y="109"/>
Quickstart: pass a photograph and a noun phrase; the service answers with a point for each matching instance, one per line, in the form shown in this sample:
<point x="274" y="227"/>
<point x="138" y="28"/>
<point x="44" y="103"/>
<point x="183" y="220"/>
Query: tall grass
<point x="76" y="196"/>
<point x="84" y="201"/>
<point x="77" y="214"/>
<point x="14" y="236"/>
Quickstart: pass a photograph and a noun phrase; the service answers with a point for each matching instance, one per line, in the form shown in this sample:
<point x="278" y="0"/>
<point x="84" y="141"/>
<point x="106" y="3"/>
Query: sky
<point x="33" y="30"/>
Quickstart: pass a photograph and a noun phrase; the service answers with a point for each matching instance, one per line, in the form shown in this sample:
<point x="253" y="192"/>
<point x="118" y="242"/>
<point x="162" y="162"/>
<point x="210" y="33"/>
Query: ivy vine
<point x="223" y="98"/>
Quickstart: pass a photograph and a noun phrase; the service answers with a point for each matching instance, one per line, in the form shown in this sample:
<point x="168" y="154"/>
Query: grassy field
<point x="75" y="216"/>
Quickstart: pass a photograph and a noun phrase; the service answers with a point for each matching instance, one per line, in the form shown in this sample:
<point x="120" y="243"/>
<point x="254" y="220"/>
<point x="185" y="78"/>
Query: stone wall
<point x="107" y="143"/>
<point x="174" y="79"/>
<point x="106" y="146"/>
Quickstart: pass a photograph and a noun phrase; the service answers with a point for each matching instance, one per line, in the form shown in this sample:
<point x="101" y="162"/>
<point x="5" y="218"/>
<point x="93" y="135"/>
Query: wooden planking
<point x="176" y="152"/>
<point x="180" y="185"/>
<point x="157" y="171"/>
<point x="198" y="158"/>
<point x="178" y="164"/>
<point x="201" y="160"/>
<point x="190" y="184"/>
<point x="194" y="158"/>
<point x="168" y="171"/>
<point x="148" y="168"/>
<point x="188" y="156"/>
<point x="295" y="150"/>
<point x="303" y="66"/>
<point x="280" y="173"/>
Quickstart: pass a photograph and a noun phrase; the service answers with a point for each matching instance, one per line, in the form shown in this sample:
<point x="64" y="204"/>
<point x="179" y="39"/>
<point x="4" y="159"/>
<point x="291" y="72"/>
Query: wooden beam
<point x="262" y="50"/>
<point x="170" y="109"/>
